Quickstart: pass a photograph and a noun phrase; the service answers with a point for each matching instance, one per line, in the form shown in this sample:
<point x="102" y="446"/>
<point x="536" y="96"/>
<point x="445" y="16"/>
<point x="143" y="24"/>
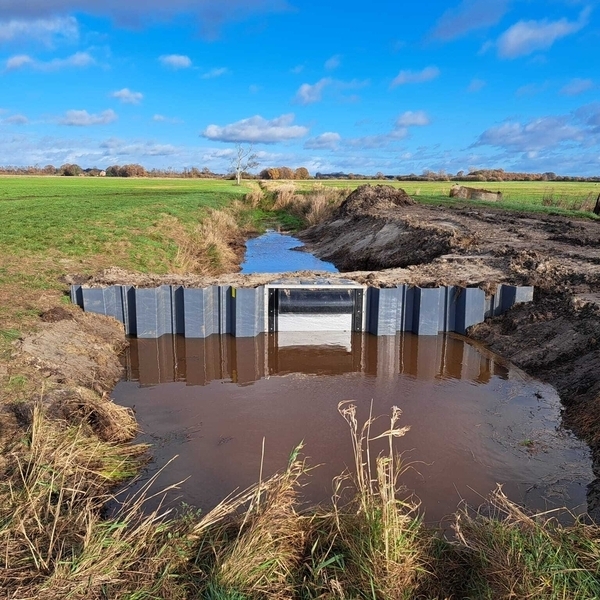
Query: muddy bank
<point x="67" y="367"/>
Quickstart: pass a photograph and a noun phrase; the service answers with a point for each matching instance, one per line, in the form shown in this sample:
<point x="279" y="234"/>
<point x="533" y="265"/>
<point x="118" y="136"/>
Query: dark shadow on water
<point x="475" y="420"/>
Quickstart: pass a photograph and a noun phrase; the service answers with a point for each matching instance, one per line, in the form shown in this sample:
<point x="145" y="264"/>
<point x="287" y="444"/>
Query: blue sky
<point x="334" y="86"/>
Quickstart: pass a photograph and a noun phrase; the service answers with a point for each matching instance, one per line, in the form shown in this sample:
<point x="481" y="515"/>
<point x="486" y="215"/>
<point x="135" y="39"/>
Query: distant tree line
<point x="130" y="170"/>
<point x="277" y="173"/>
<point x="284" y="173"/>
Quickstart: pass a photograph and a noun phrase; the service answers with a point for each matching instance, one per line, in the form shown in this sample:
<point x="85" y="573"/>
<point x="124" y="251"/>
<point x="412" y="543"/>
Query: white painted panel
<point x="314" y="322"/>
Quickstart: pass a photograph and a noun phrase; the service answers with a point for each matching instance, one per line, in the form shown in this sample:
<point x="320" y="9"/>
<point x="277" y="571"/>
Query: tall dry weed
<point x="255" y="552"/>
<point x="310" y="207"/>
<point x="207" y="248"/>
<point x="50" y="500"/>
<point x="569" y="202"/>
<point x="255" y="196"/>
<point x="384" y="538"/>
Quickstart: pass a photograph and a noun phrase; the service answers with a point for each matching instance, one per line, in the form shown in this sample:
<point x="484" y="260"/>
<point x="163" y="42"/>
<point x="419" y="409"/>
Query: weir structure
<point x="296" y="305"/>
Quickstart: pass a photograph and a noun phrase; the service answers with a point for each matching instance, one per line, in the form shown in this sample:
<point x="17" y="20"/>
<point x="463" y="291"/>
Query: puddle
<point x="475" y="421"/>
<point x="275" y="252"/>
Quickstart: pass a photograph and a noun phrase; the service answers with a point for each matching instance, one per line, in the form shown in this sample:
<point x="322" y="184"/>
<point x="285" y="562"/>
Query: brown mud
<point x="383" y="240"/>
<point x="68" y="366"/>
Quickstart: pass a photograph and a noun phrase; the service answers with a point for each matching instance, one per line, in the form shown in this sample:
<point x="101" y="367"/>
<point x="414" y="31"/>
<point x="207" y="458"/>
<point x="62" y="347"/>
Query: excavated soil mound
<point x="369" y="198"/>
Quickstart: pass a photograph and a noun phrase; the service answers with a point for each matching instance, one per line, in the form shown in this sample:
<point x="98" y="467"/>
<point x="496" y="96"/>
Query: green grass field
<point x="81" y="217"/>
<point x="568" y="198"/>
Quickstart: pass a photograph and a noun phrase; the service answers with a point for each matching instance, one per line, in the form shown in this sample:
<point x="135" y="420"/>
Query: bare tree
<point x="244" y="158"/>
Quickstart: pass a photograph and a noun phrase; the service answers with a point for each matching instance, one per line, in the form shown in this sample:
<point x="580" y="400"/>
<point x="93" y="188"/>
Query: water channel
<point x="476" y="421"/>
<point x="275" y="252"/>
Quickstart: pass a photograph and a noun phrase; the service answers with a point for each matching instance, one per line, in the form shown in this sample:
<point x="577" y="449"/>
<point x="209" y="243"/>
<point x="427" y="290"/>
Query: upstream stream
<point x="475" y="420"/>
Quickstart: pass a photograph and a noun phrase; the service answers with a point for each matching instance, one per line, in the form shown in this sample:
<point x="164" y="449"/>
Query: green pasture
<point x="82" y="217"/>
<point x="566" y="198"/>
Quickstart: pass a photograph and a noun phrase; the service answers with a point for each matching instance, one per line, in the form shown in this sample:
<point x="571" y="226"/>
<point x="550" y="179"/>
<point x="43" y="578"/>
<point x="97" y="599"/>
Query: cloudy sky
<point x="346" y="86"/>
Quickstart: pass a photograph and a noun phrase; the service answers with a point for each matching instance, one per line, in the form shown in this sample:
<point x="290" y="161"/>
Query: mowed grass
<point x="80" y="217"/>
<point x="53" y="226"/>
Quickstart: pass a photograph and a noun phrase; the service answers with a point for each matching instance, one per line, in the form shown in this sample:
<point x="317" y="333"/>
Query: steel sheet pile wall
<point x="199" y="313"/>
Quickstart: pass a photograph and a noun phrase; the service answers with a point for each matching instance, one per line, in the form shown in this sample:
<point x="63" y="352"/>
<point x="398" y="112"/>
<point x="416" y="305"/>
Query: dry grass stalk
<point x="569" y="202"/>
<point x="50" y="500"/>
<point x="255" y="553"/>
<point x="110" y="422"/>
<point x="519" y="555"/>
<point x="206" y="249"/>
<point x="255" y="196"/>
<point x="383" y="540"/>
<point x="312" y="207"/>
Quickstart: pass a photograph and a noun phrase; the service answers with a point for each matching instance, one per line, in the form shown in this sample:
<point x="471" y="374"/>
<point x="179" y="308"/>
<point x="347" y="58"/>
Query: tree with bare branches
<point x="243" y="159"/>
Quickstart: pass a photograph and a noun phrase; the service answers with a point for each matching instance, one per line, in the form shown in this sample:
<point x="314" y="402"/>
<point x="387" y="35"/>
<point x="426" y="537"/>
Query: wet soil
<point x="474" y="420"/>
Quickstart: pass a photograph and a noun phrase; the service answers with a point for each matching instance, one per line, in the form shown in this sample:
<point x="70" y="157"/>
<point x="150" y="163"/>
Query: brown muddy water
<point x="475" y="420"/>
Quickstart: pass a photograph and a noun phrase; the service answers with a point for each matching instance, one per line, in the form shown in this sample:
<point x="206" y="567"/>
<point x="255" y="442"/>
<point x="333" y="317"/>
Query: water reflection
<point x="275" y="252"/>
<point x="247" y="360"/>
<point x="475" y="420"/>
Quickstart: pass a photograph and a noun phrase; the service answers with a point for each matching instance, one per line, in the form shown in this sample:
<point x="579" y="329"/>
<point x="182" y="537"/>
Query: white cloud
<point x="411" y="118"/>
<point x="116" y="148"/>
<point x="326" y="141"/>
<point x="17" y="120"/>
<point x="334" y="62"/>
<point x="214" y="73"/>
<point x="175" y="61"/>
<point x="476" y="85"/>
<point x="81" y="118"/>
<point x="163" y="119"/>
<point x="128" y="97"/>
<point x="577" y="86"/>
<point x="590" y="115"/>
<point x="309" y="94"/>
<point x="18" y="62"/>
<point x="427" y="74"/>
<point x="527" y="37"/>
<point x="254" y="89"/>
<point x="44" y="31"/>
<point x="77" y="60"/>
<point x="257" y="130"/>
<point x="469" y="15"/>
<point x="532" y="89"/>
<point x="297" y="69"/>
<point x="538" y="134"/>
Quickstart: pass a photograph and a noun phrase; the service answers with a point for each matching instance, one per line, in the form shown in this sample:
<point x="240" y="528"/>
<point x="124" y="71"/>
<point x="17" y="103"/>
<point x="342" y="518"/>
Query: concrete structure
<point x="296" y="305"/>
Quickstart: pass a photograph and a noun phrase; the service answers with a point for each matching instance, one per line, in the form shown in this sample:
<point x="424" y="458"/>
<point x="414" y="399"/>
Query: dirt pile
<point x="368" y="199"/>
<point x="69" y="366"/>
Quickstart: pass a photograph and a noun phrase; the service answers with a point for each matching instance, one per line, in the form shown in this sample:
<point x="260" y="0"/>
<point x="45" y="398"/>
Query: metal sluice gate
<point x="315" y="309"/>
<point x="296" y="305"/>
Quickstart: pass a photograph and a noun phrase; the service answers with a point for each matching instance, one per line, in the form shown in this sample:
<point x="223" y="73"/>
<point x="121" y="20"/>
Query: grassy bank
<point x="52" y="226"/>
<point x="64" y="445"/>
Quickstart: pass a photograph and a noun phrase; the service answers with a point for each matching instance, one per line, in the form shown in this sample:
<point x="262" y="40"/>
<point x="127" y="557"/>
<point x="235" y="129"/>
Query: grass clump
<point x="307" y="206"/>
<point x="523" y="556"/>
